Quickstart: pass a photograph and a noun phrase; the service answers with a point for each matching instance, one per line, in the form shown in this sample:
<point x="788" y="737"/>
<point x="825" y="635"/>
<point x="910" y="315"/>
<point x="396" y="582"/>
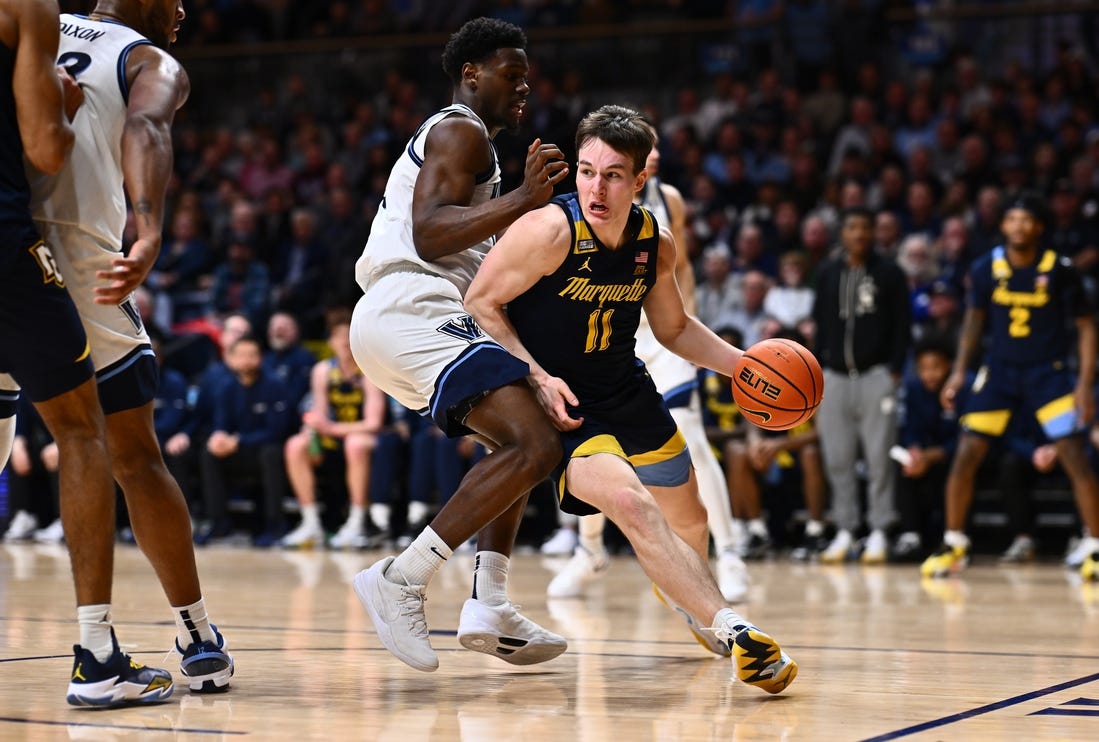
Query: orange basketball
<point x="778" y="384"/>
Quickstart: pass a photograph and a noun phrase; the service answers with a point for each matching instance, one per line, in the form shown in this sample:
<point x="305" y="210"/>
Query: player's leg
<point x="161" y="523"/>
<point x="747" y="500"/>
<point x="588" y="563"/>
<point x="303" y="482"/>
<point x="1085" y="490"/>
<point x="527" y="447"/>
<point x="608" y="483"/>
<point x="711" y="480"/>
<point x="357" y="449"/>
<point x="953" y="555"/>
<point x="50" y="361"/>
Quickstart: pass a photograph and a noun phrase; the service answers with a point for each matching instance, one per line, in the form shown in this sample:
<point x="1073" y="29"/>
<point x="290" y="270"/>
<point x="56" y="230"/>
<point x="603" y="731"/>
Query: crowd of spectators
<point x="268" y="214"/>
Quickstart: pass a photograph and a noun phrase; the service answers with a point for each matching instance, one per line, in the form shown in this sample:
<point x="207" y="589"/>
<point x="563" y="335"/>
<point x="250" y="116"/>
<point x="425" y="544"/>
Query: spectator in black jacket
<point x="863" y="321"/>
<point x="252" y="418"/>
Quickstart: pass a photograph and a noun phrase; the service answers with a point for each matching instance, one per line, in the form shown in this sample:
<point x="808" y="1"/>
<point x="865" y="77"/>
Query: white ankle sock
<point x="730" y="620"/>
<point x="490" y="577"/>
<point x="417" y="511"/>
<point x="95" y="629"/>
<point x="591" y="534"/>
<point x="355" y="515"/>
<point x="379" y="513"/>
<point x="310" y="514"/>
<point x="758" y="527"/>
<point x="421" y="560"/>
<point x="955" y="539"/>
<point x="192" y="624"/>
<point x="814" y="528"/>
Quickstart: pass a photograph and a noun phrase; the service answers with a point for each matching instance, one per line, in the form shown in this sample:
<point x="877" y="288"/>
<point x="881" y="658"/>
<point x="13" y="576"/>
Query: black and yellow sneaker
<point x="1089" y="570"/>
<point x="117" y="682"/>
<point x="758" y="658"/>
<point x="947" y="560"/>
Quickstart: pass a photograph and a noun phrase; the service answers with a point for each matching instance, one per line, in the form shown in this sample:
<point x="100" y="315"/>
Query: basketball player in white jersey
<point x="412" y="337"/>
<point x="132" y="89"/>
<point x="677" y="380"/>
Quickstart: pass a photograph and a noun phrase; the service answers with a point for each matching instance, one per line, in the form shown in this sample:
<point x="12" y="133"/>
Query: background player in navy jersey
<point x="1031" y="297"/>
<point x="132" y="89"/>
<point x="412" y="337"/>
<point x="46" y="351"/>
<point x="563" y="290"/>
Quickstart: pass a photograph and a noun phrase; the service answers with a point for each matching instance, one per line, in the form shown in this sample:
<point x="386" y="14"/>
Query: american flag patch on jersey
<point x="642" y="257"/>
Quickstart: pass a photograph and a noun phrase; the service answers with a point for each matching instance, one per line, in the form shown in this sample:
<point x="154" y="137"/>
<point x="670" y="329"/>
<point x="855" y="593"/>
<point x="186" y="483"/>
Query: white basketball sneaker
<point x="305" y="536"/>
<point x="397" y="611"/>
<point x="501" y="631"/>
<point x="583" y="569"/>
<point x="732" y="577"/>
<point x="562" y="543"/>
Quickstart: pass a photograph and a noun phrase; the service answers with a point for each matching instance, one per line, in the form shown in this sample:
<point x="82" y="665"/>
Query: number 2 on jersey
<point x="599" y="330"/>
<point x="1020" y="318"/>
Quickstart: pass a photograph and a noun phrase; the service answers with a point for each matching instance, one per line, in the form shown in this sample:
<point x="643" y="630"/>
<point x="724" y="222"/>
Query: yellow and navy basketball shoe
<point x="117" y="682"/>
<point x="946" y="560"/>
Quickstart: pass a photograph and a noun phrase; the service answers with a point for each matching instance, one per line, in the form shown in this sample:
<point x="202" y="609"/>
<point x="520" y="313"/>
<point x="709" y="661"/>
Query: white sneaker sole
<point x="478" y="637"/>
<point x="364" y="589"/>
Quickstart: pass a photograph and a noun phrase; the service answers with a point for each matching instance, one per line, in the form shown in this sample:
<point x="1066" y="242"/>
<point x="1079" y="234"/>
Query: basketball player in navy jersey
<point x="412" y="337"/>
<point x="46" y="351"/>
<point x="1030" y="297"/>
<point x="132" y="89"/>
<point x="677" y="380"/>
<point x="563" y="290"/>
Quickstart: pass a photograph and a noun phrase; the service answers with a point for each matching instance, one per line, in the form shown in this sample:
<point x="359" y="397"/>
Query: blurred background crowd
<point x="774" y="116"/>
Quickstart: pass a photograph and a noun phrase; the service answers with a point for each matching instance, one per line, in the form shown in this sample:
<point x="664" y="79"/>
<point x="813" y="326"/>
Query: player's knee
<point x="634" y="511"/>
<point x="297" y="446"/>
<point x="539" y="454"/>
<point x="358" y="446"/>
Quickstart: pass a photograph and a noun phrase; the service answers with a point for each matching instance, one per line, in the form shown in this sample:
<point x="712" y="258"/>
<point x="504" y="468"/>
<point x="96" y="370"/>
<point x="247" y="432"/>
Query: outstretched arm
<point x="158" y="87"/>
<point x="533" y="247"/>
<point x="456" y="152"/>
<point x="678" y="331"/>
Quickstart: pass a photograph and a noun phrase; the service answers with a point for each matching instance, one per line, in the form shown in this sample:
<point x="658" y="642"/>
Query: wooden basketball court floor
<point x="1000" y="653"/>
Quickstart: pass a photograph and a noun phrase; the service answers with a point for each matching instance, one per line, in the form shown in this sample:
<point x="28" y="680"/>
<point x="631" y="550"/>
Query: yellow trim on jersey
<point x="648" y="227"/>
<point x="675" y="446"/>
<point x="1001" y="269"/>
<point x="1049" y="259"/>
<point x="990" y="422"/>
<point x="86" y="353"/>
<point x="1056" y="408"/>
<point x="582" y="231"/>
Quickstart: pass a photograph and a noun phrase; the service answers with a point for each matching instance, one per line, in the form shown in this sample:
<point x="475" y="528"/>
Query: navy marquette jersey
<point x="1030" y="310"/>
<point x="17" y="231"/>
<point x="579" y="322"/>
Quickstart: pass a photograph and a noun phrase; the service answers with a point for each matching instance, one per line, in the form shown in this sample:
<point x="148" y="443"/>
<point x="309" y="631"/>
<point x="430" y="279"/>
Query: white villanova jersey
<point x="391" y="246"/>
<point x="671" y="374"/>
<point x="94" y="53"/>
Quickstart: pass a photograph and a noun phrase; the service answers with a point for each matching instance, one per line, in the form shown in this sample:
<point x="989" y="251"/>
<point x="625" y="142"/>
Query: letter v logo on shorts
<point x="463" y="328"/>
